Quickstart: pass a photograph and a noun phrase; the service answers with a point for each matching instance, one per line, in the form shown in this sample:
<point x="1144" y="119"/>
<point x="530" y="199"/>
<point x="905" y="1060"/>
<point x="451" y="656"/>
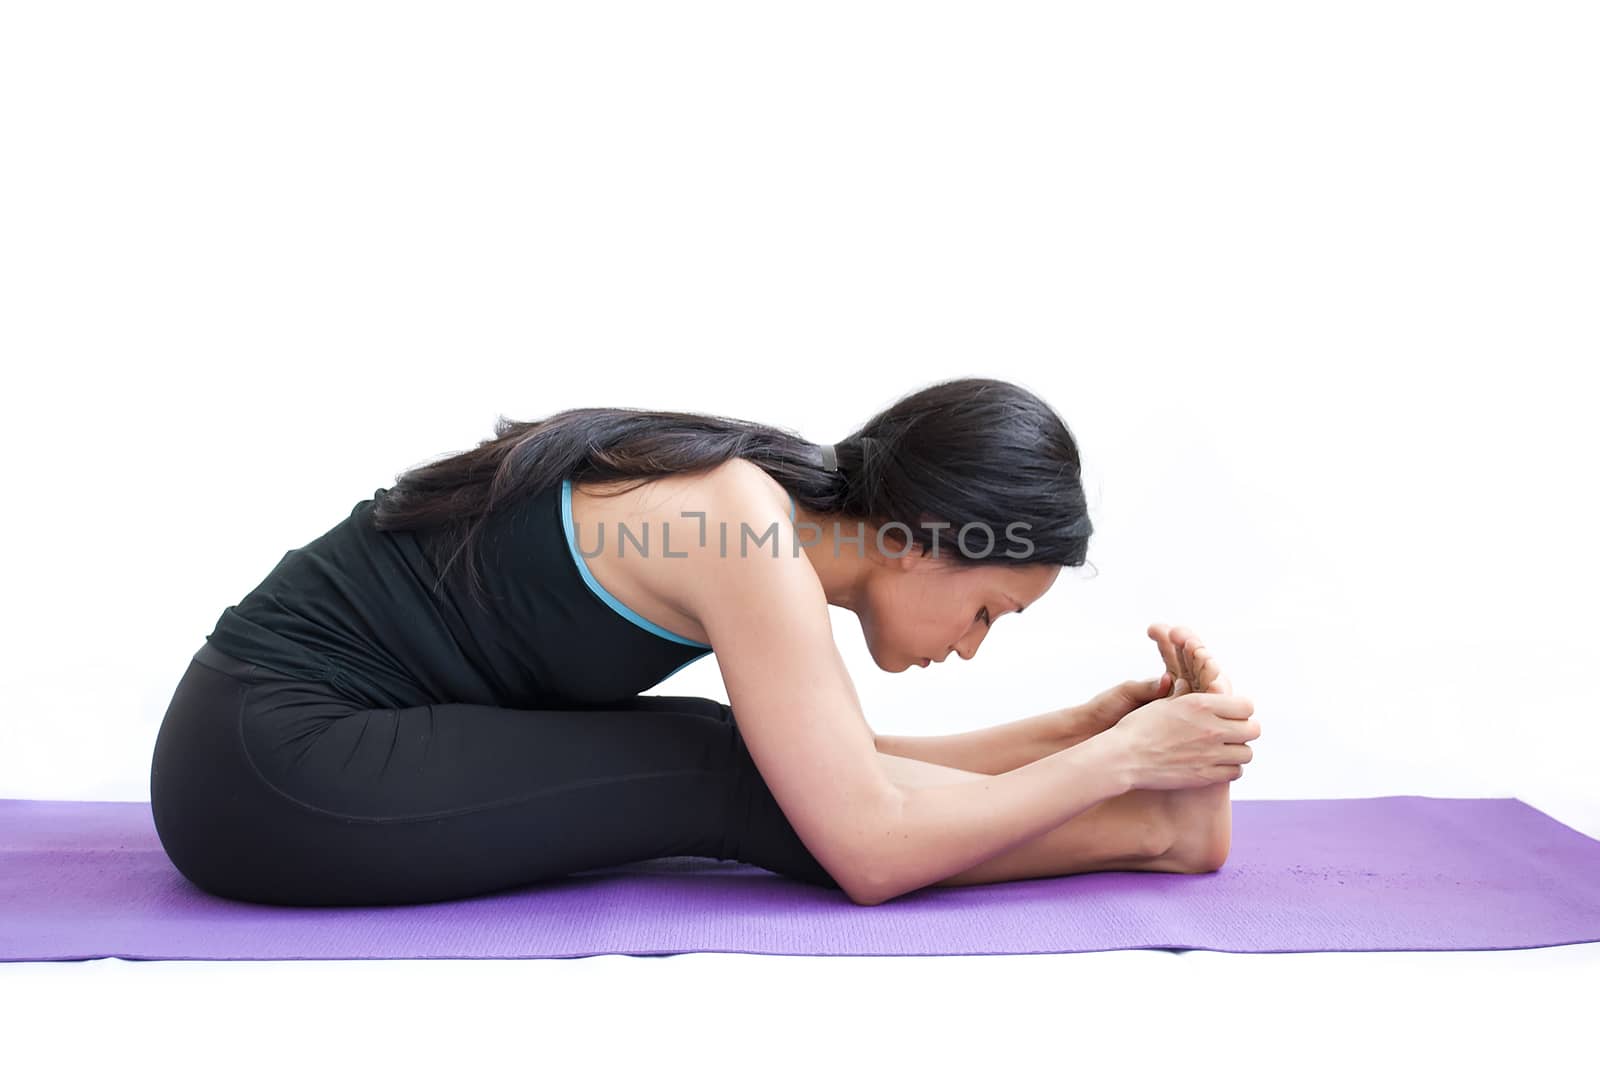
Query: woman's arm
<point x="997" y="749"/>
<point x="935" y="831"/>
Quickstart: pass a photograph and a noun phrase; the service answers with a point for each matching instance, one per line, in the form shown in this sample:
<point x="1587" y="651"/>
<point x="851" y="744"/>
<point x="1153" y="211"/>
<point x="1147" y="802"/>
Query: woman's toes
<point x="1169" y="653"/>
<point x="1186" y="656"/>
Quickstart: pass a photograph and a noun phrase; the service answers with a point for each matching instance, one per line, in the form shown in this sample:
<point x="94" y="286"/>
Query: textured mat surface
<point x="1395" y="873"/>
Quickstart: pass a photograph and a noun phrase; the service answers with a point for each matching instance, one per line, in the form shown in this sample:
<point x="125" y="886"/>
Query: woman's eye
<point x="983" y="615"/>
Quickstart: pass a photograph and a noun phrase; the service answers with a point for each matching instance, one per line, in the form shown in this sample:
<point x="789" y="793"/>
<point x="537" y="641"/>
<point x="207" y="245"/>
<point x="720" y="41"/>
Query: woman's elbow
<point x="865" y="896"/>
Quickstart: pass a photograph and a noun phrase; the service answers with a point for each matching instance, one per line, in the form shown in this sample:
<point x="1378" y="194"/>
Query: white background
<point x="1314" y="285"/>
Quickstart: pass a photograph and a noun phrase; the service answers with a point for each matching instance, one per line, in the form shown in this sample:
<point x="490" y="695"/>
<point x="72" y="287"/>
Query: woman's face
<point x="920" y="608"/>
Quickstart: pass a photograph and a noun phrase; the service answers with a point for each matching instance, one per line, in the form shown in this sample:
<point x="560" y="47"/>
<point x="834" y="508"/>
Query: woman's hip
<point x="265" y="789"/>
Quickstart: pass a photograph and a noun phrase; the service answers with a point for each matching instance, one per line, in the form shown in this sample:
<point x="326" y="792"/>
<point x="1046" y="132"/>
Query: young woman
<point x="440" y="696"/>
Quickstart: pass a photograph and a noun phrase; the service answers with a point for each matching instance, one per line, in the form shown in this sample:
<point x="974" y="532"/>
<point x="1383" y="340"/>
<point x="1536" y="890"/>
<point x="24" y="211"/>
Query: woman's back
<point x="363" y="610"/>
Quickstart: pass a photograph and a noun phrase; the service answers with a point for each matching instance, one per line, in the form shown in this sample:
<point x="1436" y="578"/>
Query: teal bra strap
<point x="594" y="585"/>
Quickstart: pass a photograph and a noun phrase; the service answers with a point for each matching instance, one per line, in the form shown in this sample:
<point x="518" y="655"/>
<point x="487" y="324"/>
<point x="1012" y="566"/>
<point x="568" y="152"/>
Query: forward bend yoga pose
<point x="440" y="697"/>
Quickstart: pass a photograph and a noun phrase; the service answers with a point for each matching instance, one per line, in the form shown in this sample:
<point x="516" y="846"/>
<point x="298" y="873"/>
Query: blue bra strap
<point x="594" y="585"/>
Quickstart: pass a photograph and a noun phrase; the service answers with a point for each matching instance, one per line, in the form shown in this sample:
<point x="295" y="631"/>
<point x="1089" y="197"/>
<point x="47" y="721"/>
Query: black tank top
<point x="357" y="608"/>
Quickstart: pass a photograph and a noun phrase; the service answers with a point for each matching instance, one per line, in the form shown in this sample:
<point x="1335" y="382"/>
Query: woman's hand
<point x="1189" y="741"/>
<point x="1116" y="703"/>
<point x="1190" y="664"/>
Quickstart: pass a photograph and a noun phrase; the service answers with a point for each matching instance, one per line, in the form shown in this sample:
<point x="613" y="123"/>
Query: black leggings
<point x="277" y="791"/>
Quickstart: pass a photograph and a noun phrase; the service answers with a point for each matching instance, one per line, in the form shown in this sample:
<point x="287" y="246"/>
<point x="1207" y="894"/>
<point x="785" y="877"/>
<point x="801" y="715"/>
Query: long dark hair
<point x="963" y="451"/>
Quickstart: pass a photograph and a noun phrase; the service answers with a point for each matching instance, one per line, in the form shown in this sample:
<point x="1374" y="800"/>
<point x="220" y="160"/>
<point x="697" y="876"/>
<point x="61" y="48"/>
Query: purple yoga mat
<point x="1395" y="873"/>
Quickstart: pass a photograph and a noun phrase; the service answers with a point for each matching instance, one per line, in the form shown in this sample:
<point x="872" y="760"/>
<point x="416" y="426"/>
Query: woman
<point x="439" y="697"/>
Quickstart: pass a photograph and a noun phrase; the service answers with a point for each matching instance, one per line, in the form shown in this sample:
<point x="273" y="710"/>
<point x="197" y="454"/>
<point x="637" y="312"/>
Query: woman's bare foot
<point x="1202" y="818"/>
<point x="1202" y="823"/>
<point x="1191" y="665"/>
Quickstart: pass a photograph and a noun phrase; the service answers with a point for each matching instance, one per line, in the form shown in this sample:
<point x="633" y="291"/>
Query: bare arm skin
<point x="942" y="830"/>
<point x="998" y="749"/>
<point x="766" y="616"/>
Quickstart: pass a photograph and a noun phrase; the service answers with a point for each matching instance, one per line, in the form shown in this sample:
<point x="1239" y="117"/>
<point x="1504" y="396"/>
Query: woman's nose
<point x="968" y="647"/>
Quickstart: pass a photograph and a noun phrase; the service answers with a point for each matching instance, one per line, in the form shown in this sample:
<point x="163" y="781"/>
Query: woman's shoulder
<point x="738" y="477"/>
<point x="681" y="532"/>
<point x="735" y="485"/>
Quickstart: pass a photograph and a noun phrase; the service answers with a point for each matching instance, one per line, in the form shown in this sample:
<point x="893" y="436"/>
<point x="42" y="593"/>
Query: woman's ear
<point x="908" y="554"/>
<point x="910" y="560"/>
<point x="891" y="545"/>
